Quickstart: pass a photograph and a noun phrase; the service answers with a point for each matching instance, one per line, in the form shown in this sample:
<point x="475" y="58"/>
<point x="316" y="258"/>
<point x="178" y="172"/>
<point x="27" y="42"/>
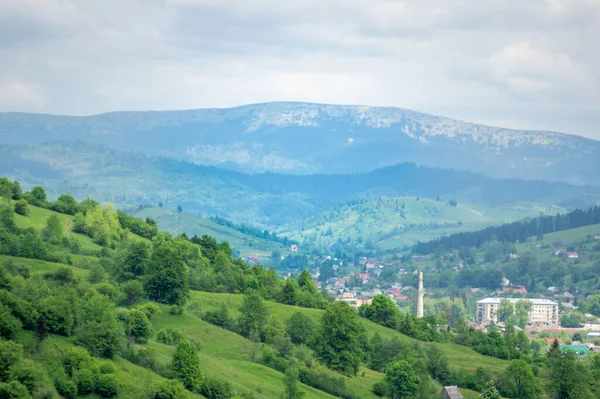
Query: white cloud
<point x="15" y="95"/>
<point x="529" y="63"/>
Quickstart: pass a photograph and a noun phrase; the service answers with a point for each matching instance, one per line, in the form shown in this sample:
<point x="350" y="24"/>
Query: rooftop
<point x="534" y="301"/>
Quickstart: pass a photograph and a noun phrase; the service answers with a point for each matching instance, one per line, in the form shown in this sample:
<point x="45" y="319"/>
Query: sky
<point x="530" y="64"/>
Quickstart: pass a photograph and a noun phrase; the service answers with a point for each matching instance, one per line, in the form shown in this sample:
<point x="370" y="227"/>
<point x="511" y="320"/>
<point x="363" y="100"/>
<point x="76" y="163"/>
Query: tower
<point x="420" y="296"/>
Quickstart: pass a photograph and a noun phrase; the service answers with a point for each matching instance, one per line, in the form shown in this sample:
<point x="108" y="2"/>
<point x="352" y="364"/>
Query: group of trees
<point x="513" y="232"/>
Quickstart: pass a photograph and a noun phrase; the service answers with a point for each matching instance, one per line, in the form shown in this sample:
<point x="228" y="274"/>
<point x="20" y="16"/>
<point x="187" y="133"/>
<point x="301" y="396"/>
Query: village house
<point x="451" y="392"/>
<point x="519" y="289"/>
<point x="294" y="248"/>
<point x="371" y="264"/>
<point x="572" y="255"/>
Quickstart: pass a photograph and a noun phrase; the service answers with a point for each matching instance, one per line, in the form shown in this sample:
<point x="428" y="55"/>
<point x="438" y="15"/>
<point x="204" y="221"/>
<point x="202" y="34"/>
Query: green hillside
<point x="177" y="223"/>
<point x="393" y="222"/>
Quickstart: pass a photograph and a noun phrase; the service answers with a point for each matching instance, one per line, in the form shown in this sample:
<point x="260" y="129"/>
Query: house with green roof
<point x="580" y="350"/>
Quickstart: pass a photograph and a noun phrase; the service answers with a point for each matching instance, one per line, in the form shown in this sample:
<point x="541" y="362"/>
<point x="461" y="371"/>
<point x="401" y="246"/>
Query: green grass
<point x="458" y="356"/>
<point x="42" y="266"/>
<point x="176" y="223"/>
<point x="226" y="354"/>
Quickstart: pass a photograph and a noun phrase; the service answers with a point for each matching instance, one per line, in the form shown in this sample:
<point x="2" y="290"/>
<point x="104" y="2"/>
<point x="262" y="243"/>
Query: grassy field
<point x="459" y="356"/>
<point x="397" y="221"/>
<point x="227" y="355"/>
<point x="176" y="223"/>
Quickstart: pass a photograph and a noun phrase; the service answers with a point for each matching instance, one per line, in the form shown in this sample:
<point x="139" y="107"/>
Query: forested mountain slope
<point x="308" y="138"/>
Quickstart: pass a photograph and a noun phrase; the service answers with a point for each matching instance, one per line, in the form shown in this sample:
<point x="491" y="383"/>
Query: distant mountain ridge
<point x="302" y="138"/>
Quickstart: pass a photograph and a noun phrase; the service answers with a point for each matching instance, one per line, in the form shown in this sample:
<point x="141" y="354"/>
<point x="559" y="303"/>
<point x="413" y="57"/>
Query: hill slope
<point x="87" y="170"/>
<point x="308" y="138"/>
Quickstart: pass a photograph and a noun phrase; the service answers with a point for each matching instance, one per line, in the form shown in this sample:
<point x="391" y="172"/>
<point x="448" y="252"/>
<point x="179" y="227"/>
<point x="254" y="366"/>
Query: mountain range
<point x="306" y="138"/>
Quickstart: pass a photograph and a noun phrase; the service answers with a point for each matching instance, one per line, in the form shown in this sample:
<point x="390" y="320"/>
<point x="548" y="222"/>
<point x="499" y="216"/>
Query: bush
<point x="107" y="385"/>
<point x="175" y="310"/>
<point x="195" y="308"/>
<point x="22" y="207"/>
<point x="150" y="309"/>
<point x="164" y="337"/>
<point x="217" y="388"/>
<point x="65" y="387"/>
<point x="14" y="390"/>
<point x="170" y="389"/>
<point x="26" y="373"/>
<point x="380" y="388"/>
<point x="85" y="380"/>
<point x="9" y="324"/>
<point x="108" y="368"/>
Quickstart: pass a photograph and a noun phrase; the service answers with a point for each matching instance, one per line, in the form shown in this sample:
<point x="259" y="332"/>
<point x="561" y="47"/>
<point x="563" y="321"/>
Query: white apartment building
<point x="542" y="310"/>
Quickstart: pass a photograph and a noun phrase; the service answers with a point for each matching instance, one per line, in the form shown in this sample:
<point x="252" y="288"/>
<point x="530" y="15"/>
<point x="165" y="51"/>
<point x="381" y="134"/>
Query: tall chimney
<point x="420" y="296"/>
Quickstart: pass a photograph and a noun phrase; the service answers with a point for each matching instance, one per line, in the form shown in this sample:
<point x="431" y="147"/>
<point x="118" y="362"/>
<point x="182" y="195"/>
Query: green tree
<point x="288" y="292"/>
<point x="340" y="338"/>
<point x="274" y="329"/>
<point x="134" y="261"/>
<point x="490" y="391"/>
<point x="522" y="309"/>
<point x="383" y="311"/>
<point x="9" y="324"/>
<point x="292" y="388"/>
<point x="7" y="218"/>
<point x="523" y="383"/>
<point x="22" y="207"/>
<point x="41" y="328"/>
<point x="132" y="290"/>
<point x="568" y="376"/>
<point x="53" y="232"/>
<point x="13" y="390"/>
<point x="166" y="277"/>
<point x="186" y="364"/>
<point x="505" y="310"/>
<point x="100" y="332"/>
<point x="169" y="389"/>
<point x="401" y="379"/>
<point x="253" y="315"/>
<point x="300" y="328"/>
<point x="38" y="196"/>
<point x="139" y="327"/>
<point x="305" y="282"/>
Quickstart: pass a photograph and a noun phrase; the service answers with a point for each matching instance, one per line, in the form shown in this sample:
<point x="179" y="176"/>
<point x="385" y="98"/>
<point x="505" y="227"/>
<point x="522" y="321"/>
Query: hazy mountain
<point x="303" y="138"/>
<point x="270" y="199"/>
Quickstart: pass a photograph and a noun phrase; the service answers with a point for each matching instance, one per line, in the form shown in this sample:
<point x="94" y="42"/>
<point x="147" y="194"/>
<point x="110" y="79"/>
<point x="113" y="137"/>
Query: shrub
<point x="150" y="309"/>
<point x="9" y="324"/>
<point x="175" y="310"/>
<point x="217" y="388"/>
<point x="27" y="373"/>
<point x="146" y="358"/>
<point x="169" y="389"/>
<point x="85" y="380"/>
<point x="195" y="308"/>
<point x="164" y="337"/>
<point x="107" y="385"/>
<point x="65" y="387"/>
<point x="380" y="388"/>
<point x="22" y="207"/>
<point x="108" y="368"/>
<point x="14" y="390"/>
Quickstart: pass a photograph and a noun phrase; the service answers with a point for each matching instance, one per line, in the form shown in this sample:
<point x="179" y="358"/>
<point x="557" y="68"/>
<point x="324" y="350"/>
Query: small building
<point x="294" y="248"/>
<point x="572" y="255"/>
<point x="451" y="392"/>
<point x="593" y="335"/>
<point x="580" y="350"/>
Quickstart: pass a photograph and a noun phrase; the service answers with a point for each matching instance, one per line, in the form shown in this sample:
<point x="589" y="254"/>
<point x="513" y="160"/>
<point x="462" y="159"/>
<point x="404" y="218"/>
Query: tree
<point x="186" y="364"/>
<point x="490" y="391"/>
<point x="401" y="380"/>
<point x="568" y="379"/>
<point x="505" y="310"/>
<point x="139" y="326"/>
<point x="7" y="218"/>
<point x="9" y="324"/>
<point x="300" y="328"/>
<point x="134" y="261"/>
<point x="38" y="195"/>
<point x="166" y="277"/>
<point x="383" y="311"/>
<point x="179" y="209"/>
<point x="274" y="329"/>
<point x="41" y="328"/>
<point x="253" y="315"/>
<point x="133" y="290"/>
<point x="523" y="383"/>
<point x="288" y="292"/>
<point x="340" y="339"/>
<point x="305" y="282"/>
<point x="169" y="389"/>
<point x="292" y="388"/>
<point x="22" y="207"/>
<point x="13" y="390"/>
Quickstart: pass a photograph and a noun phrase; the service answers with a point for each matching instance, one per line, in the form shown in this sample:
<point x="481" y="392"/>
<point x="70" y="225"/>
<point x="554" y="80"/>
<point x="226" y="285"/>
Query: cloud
<point x="15" y="95"/>
<point x="522" y="64"/>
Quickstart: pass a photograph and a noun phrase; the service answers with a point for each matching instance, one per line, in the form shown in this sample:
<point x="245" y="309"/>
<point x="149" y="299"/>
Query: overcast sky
<point x="514" y="63"/>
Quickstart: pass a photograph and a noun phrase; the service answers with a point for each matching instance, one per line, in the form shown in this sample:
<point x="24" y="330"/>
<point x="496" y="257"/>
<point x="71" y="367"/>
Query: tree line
<point x="513" y="232"/>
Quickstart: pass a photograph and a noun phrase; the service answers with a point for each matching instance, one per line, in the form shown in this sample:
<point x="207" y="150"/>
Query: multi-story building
<point x="542" y="310"/>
